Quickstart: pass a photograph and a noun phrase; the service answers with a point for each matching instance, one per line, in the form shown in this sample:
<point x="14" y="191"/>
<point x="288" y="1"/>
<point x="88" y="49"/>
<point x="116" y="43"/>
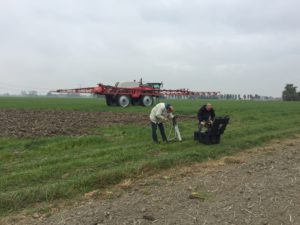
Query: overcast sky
<point x="232" y="46"/>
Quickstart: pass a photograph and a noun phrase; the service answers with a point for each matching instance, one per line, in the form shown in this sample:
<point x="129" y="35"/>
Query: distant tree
<point x="32" y="93"/>
<point x="290" y="93"/>
<point x="256" y="96"/>
<point x="23" y="93"/>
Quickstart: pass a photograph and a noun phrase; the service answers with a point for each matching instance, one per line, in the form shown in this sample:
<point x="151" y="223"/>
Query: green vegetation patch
<point x="46" y="169"/>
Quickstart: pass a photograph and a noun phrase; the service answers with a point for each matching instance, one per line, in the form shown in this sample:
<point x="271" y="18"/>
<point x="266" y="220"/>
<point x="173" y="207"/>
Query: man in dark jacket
<point x="206" y="115"/>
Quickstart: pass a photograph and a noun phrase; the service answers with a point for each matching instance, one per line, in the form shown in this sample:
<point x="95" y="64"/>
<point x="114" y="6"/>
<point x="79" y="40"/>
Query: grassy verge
<point x="45" y="169"/>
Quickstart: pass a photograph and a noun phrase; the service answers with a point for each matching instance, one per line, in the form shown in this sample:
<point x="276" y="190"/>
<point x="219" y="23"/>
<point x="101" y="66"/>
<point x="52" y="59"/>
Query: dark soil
<point x="259" y="187"/>
<point x="43" y="123"/>
<point x="46" y="123"/>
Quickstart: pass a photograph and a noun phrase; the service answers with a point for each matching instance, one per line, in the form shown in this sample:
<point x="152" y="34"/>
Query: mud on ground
<point x="259" y="187"/>
<point x="41" y="123"/>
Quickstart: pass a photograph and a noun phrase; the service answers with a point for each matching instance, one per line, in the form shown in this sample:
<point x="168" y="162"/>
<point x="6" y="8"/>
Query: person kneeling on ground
<point x="206" y="115"/>
<point x="159" y="114"/>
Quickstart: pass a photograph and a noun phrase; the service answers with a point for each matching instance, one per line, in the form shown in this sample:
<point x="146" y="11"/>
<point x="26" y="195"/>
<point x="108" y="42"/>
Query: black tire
<point x="147" y="101"/>
<point x="109" y="100"/>
<point x="123" y="101"/>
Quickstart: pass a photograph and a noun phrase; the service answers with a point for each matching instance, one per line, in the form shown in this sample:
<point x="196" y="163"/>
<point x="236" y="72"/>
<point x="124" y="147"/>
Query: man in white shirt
<point x="159" y="114"/>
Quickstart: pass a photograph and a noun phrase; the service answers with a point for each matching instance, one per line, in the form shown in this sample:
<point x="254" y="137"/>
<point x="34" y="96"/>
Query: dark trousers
<point x="161" y="129"/>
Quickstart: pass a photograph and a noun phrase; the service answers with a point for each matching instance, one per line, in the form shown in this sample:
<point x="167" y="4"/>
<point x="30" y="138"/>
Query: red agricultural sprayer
<point x="135" y="93"/>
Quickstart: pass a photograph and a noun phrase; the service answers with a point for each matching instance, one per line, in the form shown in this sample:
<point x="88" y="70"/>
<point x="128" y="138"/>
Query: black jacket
<point x="204" y="115"/>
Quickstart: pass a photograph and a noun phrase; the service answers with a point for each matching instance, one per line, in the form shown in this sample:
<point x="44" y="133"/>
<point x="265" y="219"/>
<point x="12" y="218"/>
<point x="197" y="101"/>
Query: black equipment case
<point x="214" y="131"/>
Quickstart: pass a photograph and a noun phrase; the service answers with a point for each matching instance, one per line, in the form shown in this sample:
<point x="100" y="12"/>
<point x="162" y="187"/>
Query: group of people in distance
<point x="162" y="112"/>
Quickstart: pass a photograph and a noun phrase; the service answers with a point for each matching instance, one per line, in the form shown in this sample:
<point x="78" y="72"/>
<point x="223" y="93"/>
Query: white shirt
<point x="159" y="113"/>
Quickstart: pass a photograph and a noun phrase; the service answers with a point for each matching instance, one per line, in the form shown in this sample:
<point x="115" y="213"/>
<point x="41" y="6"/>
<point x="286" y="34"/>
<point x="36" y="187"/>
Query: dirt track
<point x="41" y="123"/>
<point x="259" y="187"/>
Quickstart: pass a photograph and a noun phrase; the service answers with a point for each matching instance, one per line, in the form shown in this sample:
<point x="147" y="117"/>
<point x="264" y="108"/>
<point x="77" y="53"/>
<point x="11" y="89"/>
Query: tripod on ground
<point x="175" y="129"/>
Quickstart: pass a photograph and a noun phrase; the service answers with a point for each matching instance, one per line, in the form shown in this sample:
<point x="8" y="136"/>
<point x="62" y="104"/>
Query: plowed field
<point x="43" y="123"/>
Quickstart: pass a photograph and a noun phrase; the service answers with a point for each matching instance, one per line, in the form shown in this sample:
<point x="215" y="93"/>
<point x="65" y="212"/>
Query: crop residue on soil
<point x="43" y="123"/>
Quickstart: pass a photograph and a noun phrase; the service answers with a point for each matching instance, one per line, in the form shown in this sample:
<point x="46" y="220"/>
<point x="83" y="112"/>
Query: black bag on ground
<point x="214" y="131"/>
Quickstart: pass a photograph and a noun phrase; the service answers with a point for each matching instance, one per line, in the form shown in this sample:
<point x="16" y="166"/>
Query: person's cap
<point x="169" y="107"/>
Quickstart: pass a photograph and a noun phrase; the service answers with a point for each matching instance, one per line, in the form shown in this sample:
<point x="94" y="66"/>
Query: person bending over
<point x="160" y="114"/>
